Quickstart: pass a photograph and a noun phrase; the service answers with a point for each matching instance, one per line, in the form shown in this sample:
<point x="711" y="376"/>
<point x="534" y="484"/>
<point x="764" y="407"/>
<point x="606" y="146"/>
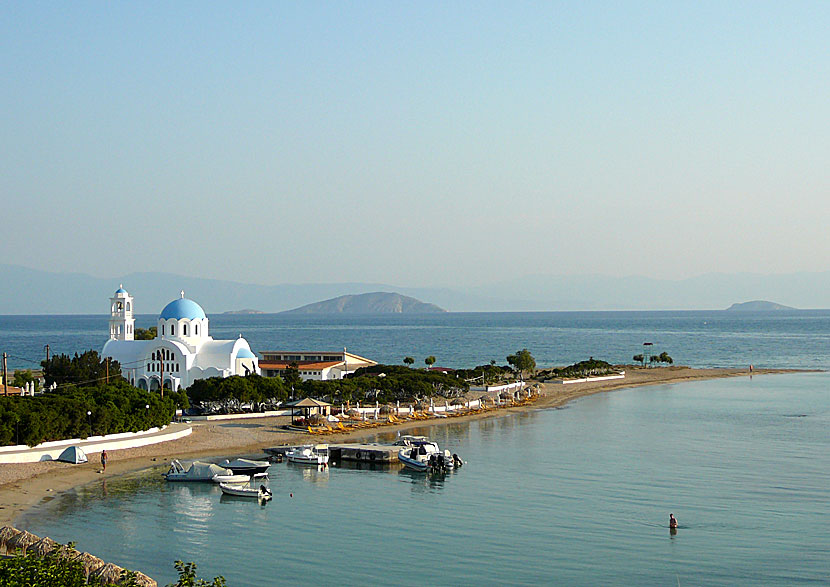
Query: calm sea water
<point x="700" y="339"/>
<point x="579" y="495"/>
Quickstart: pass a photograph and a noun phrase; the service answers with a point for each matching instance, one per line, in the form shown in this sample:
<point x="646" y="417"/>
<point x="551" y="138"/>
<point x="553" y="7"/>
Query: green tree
<point x="522" y="361"/>
<point x="408" y="361"/>
<point x="639" y="359"/>
<point x="665" y="358"/>
<point x="149" y="334"/>
<point x="85" y="369"/>
<point x="430" y="361"/>
<point x="21" y="378"/>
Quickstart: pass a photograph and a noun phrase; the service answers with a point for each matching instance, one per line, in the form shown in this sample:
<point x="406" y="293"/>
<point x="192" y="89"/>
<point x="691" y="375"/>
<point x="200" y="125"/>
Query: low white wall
<point x="49" y="451"/>
<point x="238" y="416"/>
<point x="587" y="379"/>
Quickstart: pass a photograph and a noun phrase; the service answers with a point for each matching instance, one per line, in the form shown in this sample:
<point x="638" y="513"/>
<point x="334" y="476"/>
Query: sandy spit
<point x="25" y="485"/>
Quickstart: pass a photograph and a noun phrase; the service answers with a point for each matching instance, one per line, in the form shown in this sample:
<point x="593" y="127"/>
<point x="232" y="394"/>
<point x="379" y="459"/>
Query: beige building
<point x="318" y="365"/>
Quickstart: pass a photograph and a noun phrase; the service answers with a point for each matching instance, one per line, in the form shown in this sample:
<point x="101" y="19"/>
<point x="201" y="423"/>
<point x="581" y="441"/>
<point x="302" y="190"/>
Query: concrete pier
<point x="361" y="453"/>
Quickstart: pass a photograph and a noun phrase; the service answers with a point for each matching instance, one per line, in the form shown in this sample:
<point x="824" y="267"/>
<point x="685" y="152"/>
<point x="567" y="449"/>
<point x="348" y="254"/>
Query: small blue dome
<point x="120" y="290"/>
<point x="245" y="354"/>
<point x="182" y="308"/>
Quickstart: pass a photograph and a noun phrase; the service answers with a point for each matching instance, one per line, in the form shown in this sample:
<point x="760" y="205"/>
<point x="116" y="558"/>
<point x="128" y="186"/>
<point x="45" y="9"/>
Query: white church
<point x="182" y="351"/>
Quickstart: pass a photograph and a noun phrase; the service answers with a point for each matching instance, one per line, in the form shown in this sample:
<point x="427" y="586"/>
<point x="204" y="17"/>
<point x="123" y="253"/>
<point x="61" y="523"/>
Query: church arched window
<point x="196" y="329"/>
<point x="162" y="329"/>
<point x="128" y="306"/>
<point x="184" y="329"/>
<point x="172" y="330"/>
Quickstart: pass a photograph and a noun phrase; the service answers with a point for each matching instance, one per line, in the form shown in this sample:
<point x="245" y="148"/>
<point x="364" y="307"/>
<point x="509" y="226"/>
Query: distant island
<point x="369" y="303"/>
<point x="757" y="306"/>
<point x="246" y="311"/>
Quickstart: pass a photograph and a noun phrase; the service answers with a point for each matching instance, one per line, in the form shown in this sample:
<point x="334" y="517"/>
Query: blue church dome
<point x="245" y="354"/>
<point x="120" y="290"/>
<point x="182" y="308"/>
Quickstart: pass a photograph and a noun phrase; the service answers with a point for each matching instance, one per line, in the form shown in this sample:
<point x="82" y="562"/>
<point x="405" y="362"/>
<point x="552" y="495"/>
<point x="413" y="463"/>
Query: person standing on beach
<point x="104" y="460"/>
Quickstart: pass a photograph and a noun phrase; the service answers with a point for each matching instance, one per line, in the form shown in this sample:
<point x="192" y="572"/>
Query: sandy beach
<point x="25" y="485"/>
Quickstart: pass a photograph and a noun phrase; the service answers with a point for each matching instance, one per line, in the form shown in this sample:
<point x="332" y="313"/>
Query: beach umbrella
<point x="143" y="580"/>
<point x="6" y="534"/>
<point x="22" y="541"/>
<point x="386" y="409"/>
<point x="108" y="574"/>
<point x="89" y="562"/>
<point x="44" y="546"/>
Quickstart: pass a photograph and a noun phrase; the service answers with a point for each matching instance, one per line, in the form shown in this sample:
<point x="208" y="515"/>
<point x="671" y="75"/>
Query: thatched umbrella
<point x="43" y="546"/>
<point x="6" y="534"/>
<point x="90" y="563"/>
<point x="386" y="409"/>
<point x="353" y="413"/>
<point x="143" y="580"/>
<point x="22" y="541"/>
<point x="109" y="574"/>
<point x="458" y="402"/>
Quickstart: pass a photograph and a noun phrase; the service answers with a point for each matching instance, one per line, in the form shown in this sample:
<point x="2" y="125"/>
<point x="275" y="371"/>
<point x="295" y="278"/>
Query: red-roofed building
<point x="318" y="365"/>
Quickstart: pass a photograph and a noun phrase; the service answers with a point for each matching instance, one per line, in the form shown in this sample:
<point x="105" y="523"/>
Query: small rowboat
<point x="245" y="490"/>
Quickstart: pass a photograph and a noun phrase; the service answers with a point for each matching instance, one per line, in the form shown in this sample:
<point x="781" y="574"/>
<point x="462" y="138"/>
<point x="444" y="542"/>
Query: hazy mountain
<point x="30" y="291"/>
<point x="757" y="306"/>
<point x="369" y="303"/>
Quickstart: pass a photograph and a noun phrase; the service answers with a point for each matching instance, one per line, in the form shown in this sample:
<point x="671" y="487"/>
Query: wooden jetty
<point x="360" y="453"/>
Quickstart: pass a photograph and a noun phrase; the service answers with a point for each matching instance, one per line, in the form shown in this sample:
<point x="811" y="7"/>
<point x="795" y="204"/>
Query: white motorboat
<point x="426" y="456"/>
<point x="198" y="471"/>
<point x="246" y="466"/>
<point x="410" y="440"/>
<point x="316" y="454"/>
<point x="246" y="490"/>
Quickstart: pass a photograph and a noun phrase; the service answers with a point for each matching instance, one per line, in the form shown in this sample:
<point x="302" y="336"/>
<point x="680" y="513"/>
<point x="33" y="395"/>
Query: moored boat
<point x="198" y="471"/>
<point x="317" y="454"/>
<point x="246" y="466"/>
<point x="426" y="456"/>
<point x="231" y="478"/>
<point x="246" y="490"/>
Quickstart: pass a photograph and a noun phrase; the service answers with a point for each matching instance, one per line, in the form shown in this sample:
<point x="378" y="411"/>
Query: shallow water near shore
<point x="578" y="495"/>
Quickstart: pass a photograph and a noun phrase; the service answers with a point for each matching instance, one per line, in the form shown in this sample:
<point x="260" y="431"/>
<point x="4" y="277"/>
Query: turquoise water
<point x="579" y="495"/>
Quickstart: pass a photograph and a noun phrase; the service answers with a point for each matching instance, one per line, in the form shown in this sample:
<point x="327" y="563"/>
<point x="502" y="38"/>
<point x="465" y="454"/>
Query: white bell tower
<point x="122" y="323"/>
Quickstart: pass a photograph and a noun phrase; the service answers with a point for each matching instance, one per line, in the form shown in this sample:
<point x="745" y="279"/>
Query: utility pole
<point x="108" y="370"/>
<point x="47" y="354"/>
<point x="5" y="377"/>
<point x="161" y="372"/>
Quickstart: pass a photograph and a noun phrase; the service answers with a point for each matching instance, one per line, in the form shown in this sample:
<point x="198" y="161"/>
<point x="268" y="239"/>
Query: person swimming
<point x="672" y="521"/>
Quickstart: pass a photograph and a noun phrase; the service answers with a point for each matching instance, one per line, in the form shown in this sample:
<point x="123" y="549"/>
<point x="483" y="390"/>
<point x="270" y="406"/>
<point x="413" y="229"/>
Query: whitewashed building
<point x="182" y="351"/>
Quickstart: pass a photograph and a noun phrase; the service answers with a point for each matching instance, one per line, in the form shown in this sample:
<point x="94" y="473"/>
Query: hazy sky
<point x="415" y="143"/>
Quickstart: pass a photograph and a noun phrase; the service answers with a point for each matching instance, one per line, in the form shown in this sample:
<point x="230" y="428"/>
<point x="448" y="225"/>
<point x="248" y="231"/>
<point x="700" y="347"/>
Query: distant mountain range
<point x="31" y="291"/>
<point x="758" y="306"/>
<point x="369" y="303"/>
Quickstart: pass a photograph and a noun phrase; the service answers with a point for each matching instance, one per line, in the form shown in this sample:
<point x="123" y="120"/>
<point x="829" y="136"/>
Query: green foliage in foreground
<point x="247" y="389"/>
<point x="22" y="377"/>
<point x="149" y="334"/>
<point x="188" y="578"/>
<point x="115" y="408"/>
<point x="32" y="570"/>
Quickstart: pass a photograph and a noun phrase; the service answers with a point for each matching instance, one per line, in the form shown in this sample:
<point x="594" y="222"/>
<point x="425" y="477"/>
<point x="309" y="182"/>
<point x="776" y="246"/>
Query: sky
<point x="415" y="143"/>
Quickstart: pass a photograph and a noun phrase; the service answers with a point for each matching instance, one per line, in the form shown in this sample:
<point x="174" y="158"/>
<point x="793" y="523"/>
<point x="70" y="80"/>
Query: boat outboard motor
<point x="456" y="460"/>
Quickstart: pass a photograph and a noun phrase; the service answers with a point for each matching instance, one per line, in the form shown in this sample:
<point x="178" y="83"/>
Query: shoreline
<point x="24" y="486"/>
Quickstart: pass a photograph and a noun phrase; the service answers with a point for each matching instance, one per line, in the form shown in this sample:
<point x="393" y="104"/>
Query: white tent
<point x="73" y="454"/>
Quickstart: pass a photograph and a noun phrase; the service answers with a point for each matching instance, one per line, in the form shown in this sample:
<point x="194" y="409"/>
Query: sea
<point x="579" y="495"/>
